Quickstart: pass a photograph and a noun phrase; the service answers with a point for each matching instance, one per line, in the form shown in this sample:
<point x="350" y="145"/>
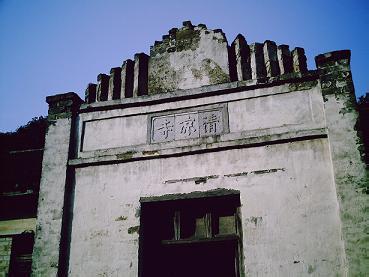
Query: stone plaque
<point x="163" y="128"/>
<point x="211" y="123"/>
<point x="188" y="125"/>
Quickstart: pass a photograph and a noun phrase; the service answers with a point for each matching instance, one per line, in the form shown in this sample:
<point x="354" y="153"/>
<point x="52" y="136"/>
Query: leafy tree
<point x="21" y="156"/>
<point x="29" y="136"/>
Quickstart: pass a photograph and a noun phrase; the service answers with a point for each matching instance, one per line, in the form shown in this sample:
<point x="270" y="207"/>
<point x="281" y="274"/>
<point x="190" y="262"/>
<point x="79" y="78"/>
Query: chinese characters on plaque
<point x="187" y="125"/>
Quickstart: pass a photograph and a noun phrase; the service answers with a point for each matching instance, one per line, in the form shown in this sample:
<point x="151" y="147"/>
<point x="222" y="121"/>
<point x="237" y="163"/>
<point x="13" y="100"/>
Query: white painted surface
<point x="298" y="229"/>
<point x="114" y="132"/>
<point x="248" y="112"/>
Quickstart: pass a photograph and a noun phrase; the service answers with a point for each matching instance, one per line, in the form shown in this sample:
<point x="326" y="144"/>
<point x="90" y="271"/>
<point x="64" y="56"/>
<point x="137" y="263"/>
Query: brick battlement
<point x="195" y="56"/>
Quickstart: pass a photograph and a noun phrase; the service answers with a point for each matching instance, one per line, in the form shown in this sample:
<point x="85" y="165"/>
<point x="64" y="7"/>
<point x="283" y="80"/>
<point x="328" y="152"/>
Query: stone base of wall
<point x="5" y="250"/>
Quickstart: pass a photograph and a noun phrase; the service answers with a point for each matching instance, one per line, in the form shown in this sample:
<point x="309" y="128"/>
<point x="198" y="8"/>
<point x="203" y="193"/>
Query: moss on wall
<point x="214" y="72"/>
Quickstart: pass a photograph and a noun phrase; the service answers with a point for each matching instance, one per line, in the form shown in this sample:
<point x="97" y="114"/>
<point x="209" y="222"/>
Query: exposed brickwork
<point x="5" y="250"/>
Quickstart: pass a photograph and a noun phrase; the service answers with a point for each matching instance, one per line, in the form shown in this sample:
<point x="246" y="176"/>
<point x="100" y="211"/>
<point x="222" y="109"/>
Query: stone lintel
<point x="63" y="105"/>
<point x="192" y="195"/>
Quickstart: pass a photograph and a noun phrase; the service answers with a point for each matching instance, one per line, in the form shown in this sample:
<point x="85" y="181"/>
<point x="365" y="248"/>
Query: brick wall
<point x="5" y="249"/>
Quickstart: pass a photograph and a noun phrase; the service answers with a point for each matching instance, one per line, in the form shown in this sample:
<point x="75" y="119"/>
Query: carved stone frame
<point x="221" y="106"/>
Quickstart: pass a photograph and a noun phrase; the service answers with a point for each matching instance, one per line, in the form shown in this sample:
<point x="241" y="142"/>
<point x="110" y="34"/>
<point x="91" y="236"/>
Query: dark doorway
<point x="191" y="235"/>
<point x="215" y="259"/>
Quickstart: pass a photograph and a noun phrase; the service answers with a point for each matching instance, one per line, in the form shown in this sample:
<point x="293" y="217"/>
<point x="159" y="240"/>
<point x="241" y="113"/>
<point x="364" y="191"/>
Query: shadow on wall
<point x="363" y="107"/>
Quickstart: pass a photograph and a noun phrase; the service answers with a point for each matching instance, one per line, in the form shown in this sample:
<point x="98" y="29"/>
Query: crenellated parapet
<point x="192" y="57"/>
<point x="260" y="60"/>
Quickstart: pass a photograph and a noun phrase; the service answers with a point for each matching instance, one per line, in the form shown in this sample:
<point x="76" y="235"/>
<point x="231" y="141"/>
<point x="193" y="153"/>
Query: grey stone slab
<point x="163" y="129"/>
<point x="211" y="123"/>
<point x="188" y="123"/>
<point x="187" y="126"/>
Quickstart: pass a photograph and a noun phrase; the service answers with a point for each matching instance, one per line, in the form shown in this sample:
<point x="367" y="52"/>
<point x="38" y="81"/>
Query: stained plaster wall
<point x="298" y="128"/>
<point x="256" y="112"/>
<point x="351" y="174"/>
<point x="189" y="57"/>
<point x="52" y="205"/>
<point x="290" y="217"/>
<point x="289" y="209"/>
<point x="51" y="200"/>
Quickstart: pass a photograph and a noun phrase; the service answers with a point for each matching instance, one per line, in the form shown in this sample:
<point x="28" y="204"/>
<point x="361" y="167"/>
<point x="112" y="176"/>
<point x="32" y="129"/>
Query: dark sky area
<point x="49" y="47"/>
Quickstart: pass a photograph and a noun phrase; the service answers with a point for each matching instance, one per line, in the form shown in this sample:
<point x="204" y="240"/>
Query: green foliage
<point x="364" y="100"/>
<point x="29" y="136"/>
<point x="21" y="156"/>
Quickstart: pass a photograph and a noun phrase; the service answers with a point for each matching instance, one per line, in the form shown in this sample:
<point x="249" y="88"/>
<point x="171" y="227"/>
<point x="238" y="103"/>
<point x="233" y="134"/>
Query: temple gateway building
<point x="206" y="159"/>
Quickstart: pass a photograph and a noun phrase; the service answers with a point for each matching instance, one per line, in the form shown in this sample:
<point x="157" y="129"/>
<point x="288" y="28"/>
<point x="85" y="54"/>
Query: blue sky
<point x="49" y="47"/>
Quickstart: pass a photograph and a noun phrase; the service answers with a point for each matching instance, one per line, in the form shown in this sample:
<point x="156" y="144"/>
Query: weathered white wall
<point x="290" y="109"/>
<point x="249" y="111"/>
<point x="290" y="216"/>
<point x="114" y="132"/>
<point x="191" y="58"/>
<point x="290" y="213"/>
<point x="350" y="171"/>
<point x="51" y="199"/>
